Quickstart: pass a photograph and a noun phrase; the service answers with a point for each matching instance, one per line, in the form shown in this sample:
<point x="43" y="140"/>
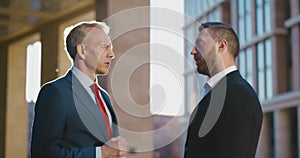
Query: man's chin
<point x="102" y="73"/>
<point x="203" y="72"/>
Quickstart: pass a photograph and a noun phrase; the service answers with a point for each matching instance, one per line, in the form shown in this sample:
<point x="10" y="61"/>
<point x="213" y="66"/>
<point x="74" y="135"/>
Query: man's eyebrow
<point x="199" y="40"/>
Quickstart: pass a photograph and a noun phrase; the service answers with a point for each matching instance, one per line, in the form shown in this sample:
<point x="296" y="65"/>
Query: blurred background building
<point x="269" y="34"/>
<point x="32" y="53"/>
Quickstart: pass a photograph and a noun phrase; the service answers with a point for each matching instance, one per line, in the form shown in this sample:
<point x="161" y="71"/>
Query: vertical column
<point x="263" y="149"/>
<point x="49" y="39"/>
<point x="298" y="131"/>
<point x="282" y="133"/>
<point x="233" y="14"/>
<point x="279" y="43"/>
<point x="295" y="39"/>
<point x="3" y="85"/>
<point x="128" y="37"/>
<point x="225" y="11"/>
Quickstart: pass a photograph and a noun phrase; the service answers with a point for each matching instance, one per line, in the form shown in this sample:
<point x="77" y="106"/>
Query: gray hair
<point x="75" y="34"/>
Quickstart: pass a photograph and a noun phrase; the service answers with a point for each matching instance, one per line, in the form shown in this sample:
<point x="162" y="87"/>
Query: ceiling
<point x="20" y="16"/>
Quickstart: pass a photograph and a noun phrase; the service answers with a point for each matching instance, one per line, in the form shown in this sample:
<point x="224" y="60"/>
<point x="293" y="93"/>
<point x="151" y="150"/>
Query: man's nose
<point x="194" y="51"/>
<point x="111" y="54"/>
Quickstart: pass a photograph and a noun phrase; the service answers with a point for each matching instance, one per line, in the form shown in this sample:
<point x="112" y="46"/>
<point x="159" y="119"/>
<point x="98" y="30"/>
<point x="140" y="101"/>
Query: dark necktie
<point x="102" y="109"/>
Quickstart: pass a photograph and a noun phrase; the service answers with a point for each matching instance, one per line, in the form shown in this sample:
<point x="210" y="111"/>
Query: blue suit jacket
<point x="68" y="123"/>
<point x="235" y="126"/>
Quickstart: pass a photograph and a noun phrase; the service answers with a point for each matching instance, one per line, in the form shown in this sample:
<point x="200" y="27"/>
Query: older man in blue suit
<point x="73" y="114"/>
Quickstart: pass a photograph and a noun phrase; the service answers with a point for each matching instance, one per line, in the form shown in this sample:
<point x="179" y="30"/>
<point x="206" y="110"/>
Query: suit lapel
<point x="207" y="112"/>
<point x="87" y="109"/>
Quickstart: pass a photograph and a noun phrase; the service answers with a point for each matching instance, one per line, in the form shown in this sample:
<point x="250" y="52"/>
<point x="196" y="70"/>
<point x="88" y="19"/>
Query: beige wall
<point x="17" y="108"/>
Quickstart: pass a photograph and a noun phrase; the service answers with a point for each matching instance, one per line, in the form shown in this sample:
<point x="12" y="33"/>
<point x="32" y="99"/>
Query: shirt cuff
<point x="98" y="152"/>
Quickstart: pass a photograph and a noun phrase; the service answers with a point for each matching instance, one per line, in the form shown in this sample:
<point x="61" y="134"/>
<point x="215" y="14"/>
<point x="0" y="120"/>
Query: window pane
<point x="269" y="82"/>
<point x="202" y="5"/>
<point x="267" y="15"/>
<point x="261" y="85"/>
<point x="197" y="8"/>
<point x="259" y="17"/>
<point x="242" y="64"/>
<point x="33" y="71"/>
<point x="249" y="69"/>
<point x="269" y="87"/>
<point x="248" y="20"/>
<point x="260" y="56"/>
<point x="260" y="68"/>
<point x="241" y="8"/>
<point x="217" y="14"/>
<point x="268" y="53"/>
<point x="241" y="32"/>
<point x="241" y="21"/>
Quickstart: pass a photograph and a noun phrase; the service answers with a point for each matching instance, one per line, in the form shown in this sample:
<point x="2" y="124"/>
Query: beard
<point x="203" y="68"/>
<point x="206" y="65"/>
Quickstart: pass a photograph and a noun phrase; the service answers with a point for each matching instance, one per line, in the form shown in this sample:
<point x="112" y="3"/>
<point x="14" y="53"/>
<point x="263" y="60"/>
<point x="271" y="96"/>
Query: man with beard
<point x="227" y="121"/>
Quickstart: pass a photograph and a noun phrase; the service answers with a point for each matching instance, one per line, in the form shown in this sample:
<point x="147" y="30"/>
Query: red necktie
<point x="102" y="109"/>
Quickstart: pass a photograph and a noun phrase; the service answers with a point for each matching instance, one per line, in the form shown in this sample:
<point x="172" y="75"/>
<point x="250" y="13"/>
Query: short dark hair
<point x="219" y="31"/>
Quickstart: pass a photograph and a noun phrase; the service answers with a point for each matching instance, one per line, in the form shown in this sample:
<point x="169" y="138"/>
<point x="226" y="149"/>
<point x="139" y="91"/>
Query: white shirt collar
<point x="217" y="77"/>
<point x="83" y="78"/>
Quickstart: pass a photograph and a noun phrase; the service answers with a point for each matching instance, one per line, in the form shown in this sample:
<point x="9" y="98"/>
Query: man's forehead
<point x="97" y="33"/>
<point x="204" y="35"/>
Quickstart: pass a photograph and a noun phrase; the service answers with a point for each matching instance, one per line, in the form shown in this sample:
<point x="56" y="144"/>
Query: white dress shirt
<point x="86" y="83"/>
<point x="217" y="77"/>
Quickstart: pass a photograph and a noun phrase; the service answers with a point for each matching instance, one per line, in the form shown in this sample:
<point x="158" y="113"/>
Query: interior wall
<point x="16" y="138"/>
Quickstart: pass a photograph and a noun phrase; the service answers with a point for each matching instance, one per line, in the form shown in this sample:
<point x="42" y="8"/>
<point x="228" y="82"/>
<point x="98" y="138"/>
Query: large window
<point x="244" y="21"/>
<point x="245" y="35"/>
<point x="246" y="32"/>
<point x="33" y="71"/>
<point x="246" y="64"/>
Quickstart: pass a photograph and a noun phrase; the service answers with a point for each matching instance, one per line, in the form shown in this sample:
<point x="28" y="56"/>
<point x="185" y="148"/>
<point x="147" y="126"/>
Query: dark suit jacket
<point x="235" y="128"/>
<point x="68" y="123"/>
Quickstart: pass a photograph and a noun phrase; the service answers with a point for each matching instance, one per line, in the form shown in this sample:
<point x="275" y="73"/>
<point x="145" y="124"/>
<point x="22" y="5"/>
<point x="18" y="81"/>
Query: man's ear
<point x="81" y="51"/>
<point x="222" y="45"/>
